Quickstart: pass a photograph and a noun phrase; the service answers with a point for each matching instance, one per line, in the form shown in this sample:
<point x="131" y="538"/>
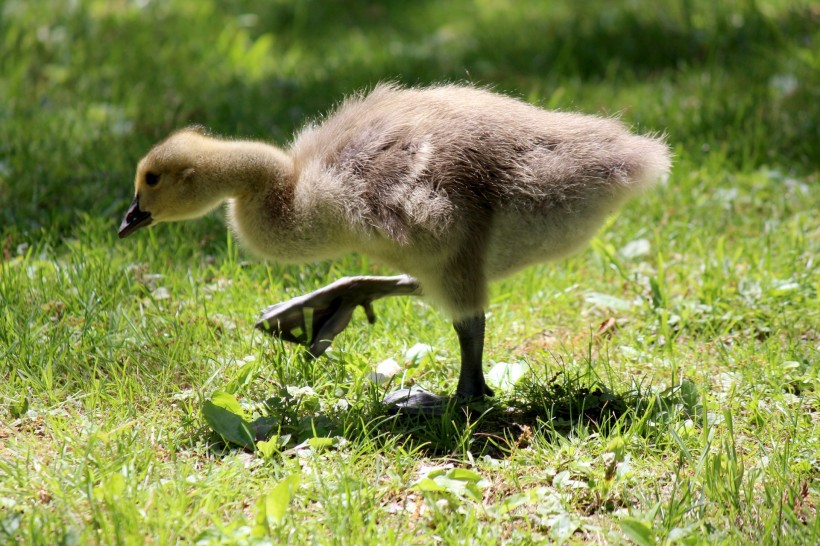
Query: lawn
<point x="662" y="385"/>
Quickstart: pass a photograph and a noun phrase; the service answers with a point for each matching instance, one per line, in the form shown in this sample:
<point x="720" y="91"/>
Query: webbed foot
<point x="316" y="318"/>
<point x="313" y="319"/>
<point x="417" y="401"/>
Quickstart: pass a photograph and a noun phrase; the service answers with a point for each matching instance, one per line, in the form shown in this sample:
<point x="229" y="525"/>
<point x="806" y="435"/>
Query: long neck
<point x="246" y="168"/>
<point x="260" y="184"/>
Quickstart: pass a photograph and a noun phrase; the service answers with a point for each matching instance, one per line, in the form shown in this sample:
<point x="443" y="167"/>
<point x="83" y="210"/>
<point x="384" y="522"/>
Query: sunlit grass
<point x="671" y="385"/>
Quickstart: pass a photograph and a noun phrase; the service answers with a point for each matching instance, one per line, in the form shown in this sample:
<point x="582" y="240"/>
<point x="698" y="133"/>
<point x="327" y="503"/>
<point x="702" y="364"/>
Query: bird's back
<point x="417" y="160"/>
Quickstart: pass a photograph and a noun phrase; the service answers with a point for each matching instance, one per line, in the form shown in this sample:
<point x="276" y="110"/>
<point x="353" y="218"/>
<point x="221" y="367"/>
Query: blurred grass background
<point x="88" y="86"/>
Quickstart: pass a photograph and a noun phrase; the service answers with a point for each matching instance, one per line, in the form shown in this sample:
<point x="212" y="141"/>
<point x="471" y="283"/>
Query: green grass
<point x="671" y="385"/>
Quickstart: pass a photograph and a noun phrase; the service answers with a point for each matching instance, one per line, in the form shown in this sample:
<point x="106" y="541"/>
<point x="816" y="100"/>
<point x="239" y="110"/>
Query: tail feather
<point x="649" y="161"/>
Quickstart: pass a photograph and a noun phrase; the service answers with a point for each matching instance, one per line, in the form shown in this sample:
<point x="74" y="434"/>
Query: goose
<point x="452" y="185"/>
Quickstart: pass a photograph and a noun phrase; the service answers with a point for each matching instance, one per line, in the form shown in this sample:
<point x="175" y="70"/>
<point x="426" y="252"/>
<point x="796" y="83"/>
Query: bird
<point x="452" y="185"/>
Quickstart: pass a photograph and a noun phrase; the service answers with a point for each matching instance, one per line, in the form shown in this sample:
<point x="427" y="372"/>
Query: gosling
<point x="452" y="185"/>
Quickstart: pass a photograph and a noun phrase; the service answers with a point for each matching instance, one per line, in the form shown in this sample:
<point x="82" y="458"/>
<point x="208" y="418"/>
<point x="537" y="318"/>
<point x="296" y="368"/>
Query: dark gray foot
<point x="316" y="318"/>
<point x="417" y="401"/>
<point x="313" y="320"/>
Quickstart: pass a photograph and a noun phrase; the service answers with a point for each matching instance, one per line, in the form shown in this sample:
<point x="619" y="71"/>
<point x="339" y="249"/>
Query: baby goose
<point x="452" y="185"/>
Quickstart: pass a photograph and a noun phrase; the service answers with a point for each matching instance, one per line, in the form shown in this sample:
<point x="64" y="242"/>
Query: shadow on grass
<point x="538" y="411"/>
<point x="563" y="405"/>
<point x="498" y="427"/>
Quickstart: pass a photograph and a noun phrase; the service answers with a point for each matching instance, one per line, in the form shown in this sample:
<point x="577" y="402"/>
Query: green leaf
<point x="243" y="377"/>
<point x="639" y="531"/>
<point x="429" y="486"/>
<point x="505" y="375"/>
<point x="474" y="492"/>
<point x="262" y="426"/>
<point x="464" y="475"/>
<point x="437" y="472"/>
<point x="511" y="503"/>
<point x="561" y="479"/>
<point x="273" y="445"/>
<point x="277" y="501"/>
<point x="690" y="397"/>
<point x="232" y="427"/>
<point x="229" y="402"/>
<point x="547" y="500"/>
<point x="616" y="446"/>
<point x="458" y="481"/>
<point x="321" y="444"/>
<point x="657" y="293"/>
<point x="562" y="527"/>
<point x="269" y="447"/>
<point x="457" y="487"/>
<point x="20" y="408"/>
<point x="111" y="488"/>
<point x="679" y="533"/>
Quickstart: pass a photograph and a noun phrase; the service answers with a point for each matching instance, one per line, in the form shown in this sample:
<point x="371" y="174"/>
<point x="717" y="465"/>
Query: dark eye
<point x="152" y="179"/>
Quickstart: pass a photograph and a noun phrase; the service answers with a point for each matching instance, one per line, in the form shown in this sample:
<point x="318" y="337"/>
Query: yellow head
<point x="174" y="182"/>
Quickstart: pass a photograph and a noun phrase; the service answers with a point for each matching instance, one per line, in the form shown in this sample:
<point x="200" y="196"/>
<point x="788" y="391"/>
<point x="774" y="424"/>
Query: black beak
<point x="134" y="219"/>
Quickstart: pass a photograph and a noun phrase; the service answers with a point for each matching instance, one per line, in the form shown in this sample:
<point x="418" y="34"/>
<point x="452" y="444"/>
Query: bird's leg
<point x="470" y="333"/>
<point x="471" y="385"/>
<point x="316" y="318"/>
